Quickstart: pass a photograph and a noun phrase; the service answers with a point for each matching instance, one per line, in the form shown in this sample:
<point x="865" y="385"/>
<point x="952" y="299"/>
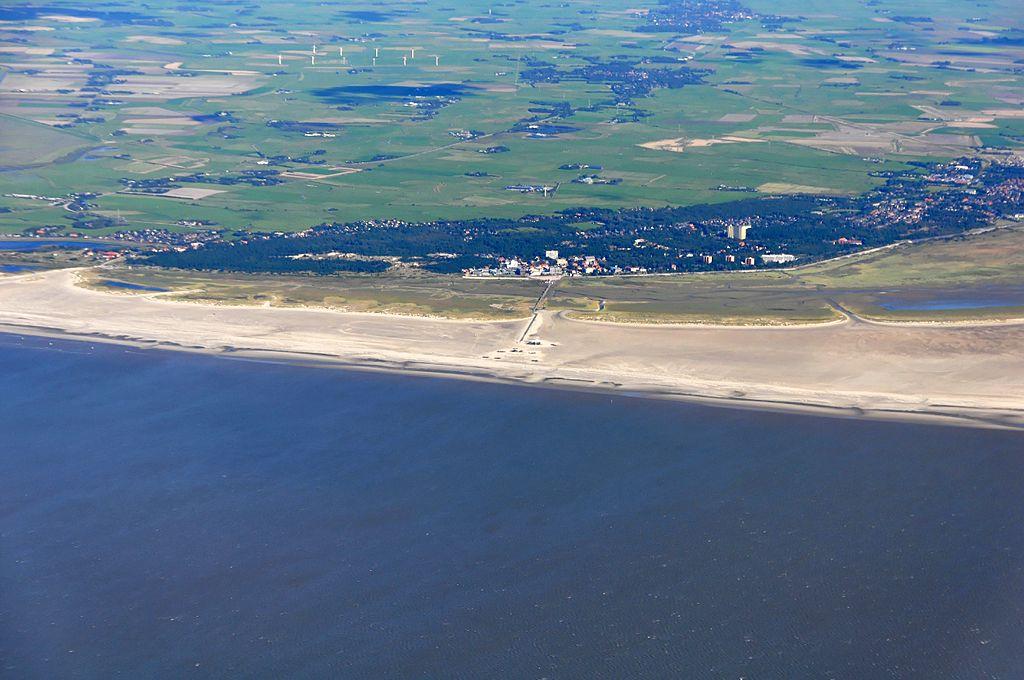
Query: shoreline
<point x="966" y="375"/>
<point x="955" y="415"/>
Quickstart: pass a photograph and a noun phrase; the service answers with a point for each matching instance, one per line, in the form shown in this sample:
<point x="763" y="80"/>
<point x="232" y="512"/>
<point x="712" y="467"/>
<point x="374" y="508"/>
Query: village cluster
<point x="553" y="264"/>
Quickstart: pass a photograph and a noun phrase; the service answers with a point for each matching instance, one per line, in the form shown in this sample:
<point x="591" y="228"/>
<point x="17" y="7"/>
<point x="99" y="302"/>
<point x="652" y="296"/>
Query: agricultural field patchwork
<point x="275" y="116"/>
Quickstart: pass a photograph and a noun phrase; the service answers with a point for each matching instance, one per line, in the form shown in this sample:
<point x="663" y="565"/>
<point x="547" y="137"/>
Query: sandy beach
<point x="970" y="374"/>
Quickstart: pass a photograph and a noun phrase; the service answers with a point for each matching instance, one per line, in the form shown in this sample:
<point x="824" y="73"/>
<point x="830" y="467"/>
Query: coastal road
<point x="851" y="317"/>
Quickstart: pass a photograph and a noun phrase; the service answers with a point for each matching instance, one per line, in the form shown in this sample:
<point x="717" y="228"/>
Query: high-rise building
<point x="738" y="231"/>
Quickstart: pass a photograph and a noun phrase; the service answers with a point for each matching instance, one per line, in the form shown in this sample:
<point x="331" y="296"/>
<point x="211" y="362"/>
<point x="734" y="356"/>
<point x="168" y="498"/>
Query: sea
<point x="169" y="515"/>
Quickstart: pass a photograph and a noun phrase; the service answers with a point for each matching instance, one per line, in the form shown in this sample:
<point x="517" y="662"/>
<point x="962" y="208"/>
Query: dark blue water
<point x="26" y="245"/>
<point x="372" y="16"/>
<point x="164" y="515"/>
<point x="829" y="62"/>
<point x="132" y="286"/>
<point x="980" y="298"/>
<point x="939" y="305"/>
<point x="16" y="268"/>
<point x="361" y="94"/>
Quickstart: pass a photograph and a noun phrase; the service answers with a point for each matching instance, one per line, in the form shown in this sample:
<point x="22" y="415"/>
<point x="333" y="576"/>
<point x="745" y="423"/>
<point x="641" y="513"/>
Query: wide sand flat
<point x="54" y="301"/>
<point x="851" y="364"/>
<point x="963" y="373"/>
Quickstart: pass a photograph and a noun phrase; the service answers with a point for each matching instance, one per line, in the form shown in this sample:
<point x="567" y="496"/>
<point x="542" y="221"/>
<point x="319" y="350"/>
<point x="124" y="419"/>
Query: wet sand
<point x="970" y="374"/>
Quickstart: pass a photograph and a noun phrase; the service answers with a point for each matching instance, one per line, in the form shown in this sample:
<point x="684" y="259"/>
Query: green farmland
<point x="811" y="104"/>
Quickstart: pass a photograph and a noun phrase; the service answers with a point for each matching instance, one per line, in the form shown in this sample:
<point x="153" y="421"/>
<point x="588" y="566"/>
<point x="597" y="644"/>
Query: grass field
<point x="410" y="294"/>
<point x="994" y="258"/>
<point x="26" y="143"/>
<point x="734" y="299"/>
<point x="976" y="277"/>
<point x="813" y="106"/>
